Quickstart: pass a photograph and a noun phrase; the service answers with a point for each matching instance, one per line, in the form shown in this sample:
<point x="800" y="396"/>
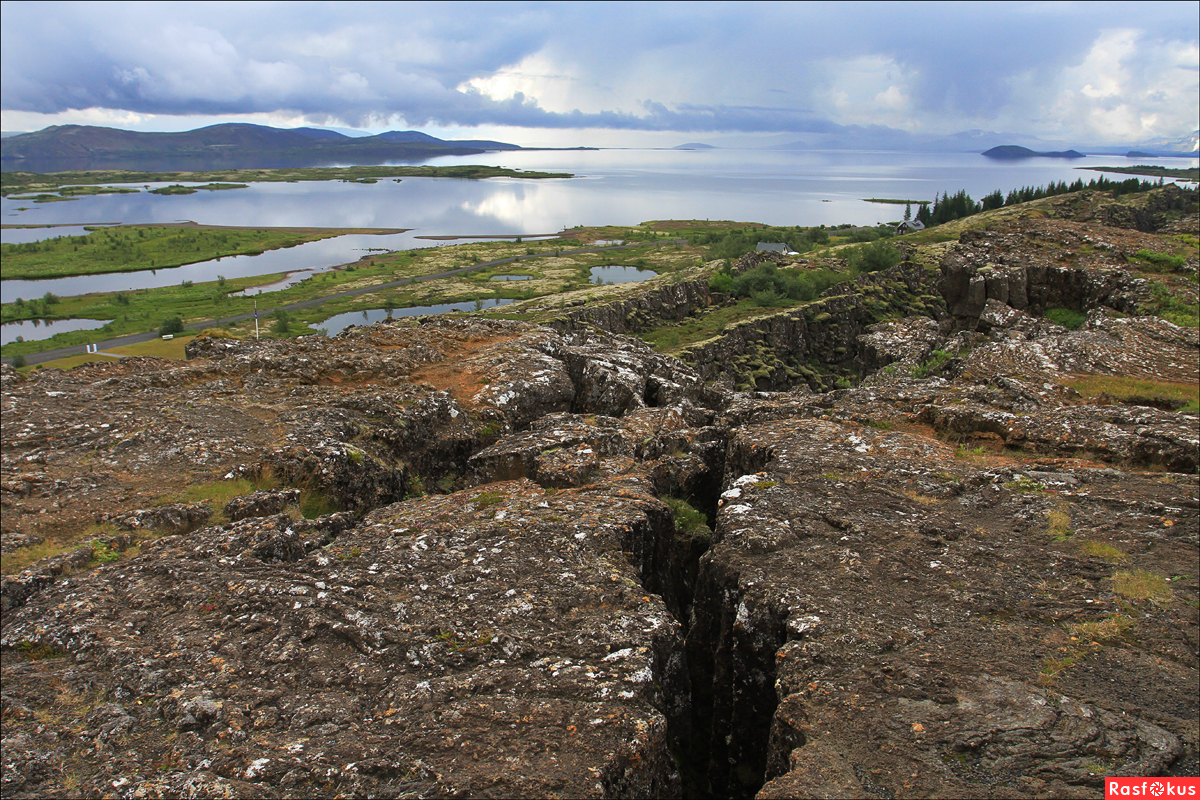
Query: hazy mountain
<point x="62" y="147"/>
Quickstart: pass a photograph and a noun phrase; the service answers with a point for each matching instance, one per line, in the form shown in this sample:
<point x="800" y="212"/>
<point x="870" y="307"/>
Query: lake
<point x="613" y="187"/>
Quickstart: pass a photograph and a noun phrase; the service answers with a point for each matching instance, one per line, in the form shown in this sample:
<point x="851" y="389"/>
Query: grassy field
<point x="134" y="248"/>
<point x="145" y="310"/>
<point x="161" y="348"/>
<point x="19" y="182"/>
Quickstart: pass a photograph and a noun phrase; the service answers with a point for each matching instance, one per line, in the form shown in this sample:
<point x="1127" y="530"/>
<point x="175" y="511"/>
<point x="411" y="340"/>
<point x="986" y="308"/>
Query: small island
<point x="1014" y="152"/>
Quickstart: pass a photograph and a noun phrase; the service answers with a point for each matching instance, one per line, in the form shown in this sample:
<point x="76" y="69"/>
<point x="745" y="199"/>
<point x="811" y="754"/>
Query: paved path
<point x="136" y="338"/>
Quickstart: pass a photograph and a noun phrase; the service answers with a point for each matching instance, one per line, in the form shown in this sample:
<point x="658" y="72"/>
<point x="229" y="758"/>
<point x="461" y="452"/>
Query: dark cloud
<point x="706" y="67"/>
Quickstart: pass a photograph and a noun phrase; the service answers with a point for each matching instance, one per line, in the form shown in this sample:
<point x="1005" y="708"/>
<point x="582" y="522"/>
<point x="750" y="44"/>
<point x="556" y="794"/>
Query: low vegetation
<point x="135" y="248"/>
<point x="1185" y="397"/>
<point x="11" y="182"/>
<point x="1141" y="585"/>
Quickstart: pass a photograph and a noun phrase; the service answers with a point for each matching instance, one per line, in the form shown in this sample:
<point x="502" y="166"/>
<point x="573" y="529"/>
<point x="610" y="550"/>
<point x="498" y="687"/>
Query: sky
<point x="611" y="74"/>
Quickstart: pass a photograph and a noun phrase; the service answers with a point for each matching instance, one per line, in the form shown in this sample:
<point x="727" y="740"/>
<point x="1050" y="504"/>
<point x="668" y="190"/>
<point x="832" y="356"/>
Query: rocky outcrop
<point x="818" y="343"/>
<point x="671" y="302"/>
<point x="261" y="504"/>
<point x="168" y="519"/>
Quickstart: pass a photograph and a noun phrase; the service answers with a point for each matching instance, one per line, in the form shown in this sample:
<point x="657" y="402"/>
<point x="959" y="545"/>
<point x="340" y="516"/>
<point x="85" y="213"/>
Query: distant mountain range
<point x="240" y="145"/>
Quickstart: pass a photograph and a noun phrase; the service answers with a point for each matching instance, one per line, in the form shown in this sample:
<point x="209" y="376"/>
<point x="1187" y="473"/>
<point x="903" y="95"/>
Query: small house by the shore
<point x="910" y="225"/>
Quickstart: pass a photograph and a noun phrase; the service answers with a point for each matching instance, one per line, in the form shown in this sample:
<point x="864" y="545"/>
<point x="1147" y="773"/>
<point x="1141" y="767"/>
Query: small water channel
<point x="23" y="235"/>
<point x="511" y="277"/>
<point x="339" y="322"/>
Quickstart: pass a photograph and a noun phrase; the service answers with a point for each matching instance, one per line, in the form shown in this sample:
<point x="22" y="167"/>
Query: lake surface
<point x="613" y="187"/>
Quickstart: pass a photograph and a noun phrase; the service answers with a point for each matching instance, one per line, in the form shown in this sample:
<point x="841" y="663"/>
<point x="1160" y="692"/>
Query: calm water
<point x="35" y="330"/>
<point x="603" y="275"/>
<point x="616" y="187"/>
<point x="340" y="322"/>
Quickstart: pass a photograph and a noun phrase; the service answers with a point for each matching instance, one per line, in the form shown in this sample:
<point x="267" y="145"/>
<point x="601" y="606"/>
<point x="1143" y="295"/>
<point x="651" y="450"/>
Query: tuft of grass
<point x="1052" y="666"/>
<point x="1140" y="584"/>
<point x="1109" y="629"/>
<point x="1103" y="550"/>
<point x="1135" y="389"/>
<point x="36" y="651"/>
<point x="485" y="499"/>
<point x="688" y="521"/>
<point x="217" y="492"/>
<point x="1058" y="522"/>
<point x="315" y="503"/>
<point x="962" y="451"/>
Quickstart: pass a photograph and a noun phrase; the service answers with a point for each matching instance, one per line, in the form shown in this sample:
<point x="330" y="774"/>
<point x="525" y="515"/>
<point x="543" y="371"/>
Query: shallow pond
<point x="340" y="322"/>
<point x="36" y="330"/>
<point x="511" y="277"/>
<point x="605" y="275"/>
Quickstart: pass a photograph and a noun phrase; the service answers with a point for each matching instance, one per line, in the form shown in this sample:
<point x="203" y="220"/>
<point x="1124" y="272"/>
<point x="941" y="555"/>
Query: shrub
<point x="170" y="327"/>
<point x="19" y="361"/>
<point x="873" y="257"/>
<point x="771" y="286"/>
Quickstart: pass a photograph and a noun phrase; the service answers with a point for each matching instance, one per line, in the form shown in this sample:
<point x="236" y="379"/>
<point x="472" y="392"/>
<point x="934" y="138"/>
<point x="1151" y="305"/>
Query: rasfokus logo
<point x="1151" y="787"/>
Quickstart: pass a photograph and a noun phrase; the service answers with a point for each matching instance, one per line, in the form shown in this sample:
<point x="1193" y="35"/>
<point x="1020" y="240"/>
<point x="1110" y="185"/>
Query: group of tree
<point x="949" y="207"/>
<point x="737" y="242"/>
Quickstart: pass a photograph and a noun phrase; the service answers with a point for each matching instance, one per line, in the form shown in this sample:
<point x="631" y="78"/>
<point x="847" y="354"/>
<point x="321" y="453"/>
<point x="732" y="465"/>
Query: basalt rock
<point x="261" y="504"/>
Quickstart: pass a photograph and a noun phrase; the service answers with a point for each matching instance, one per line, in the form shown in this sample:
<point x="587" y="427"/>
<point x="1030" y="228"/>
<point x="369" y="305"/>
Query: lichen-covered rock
<point x="173" y="518"/>
<point x="261" y="504"/>
<point x="488" y="643"/>
<point x="947" y="636"/>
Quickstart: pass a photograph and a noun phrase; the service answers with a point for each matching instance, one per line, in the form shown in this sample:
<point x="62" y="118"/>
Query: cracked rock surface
<point x="469" y="557"/>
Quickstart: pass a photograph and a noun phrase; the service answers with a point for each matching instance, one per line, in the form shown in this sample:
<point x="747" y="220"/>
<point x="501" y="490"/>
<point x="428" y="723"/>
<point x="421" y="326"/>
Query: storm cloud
<point x="1100" y="72"/>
